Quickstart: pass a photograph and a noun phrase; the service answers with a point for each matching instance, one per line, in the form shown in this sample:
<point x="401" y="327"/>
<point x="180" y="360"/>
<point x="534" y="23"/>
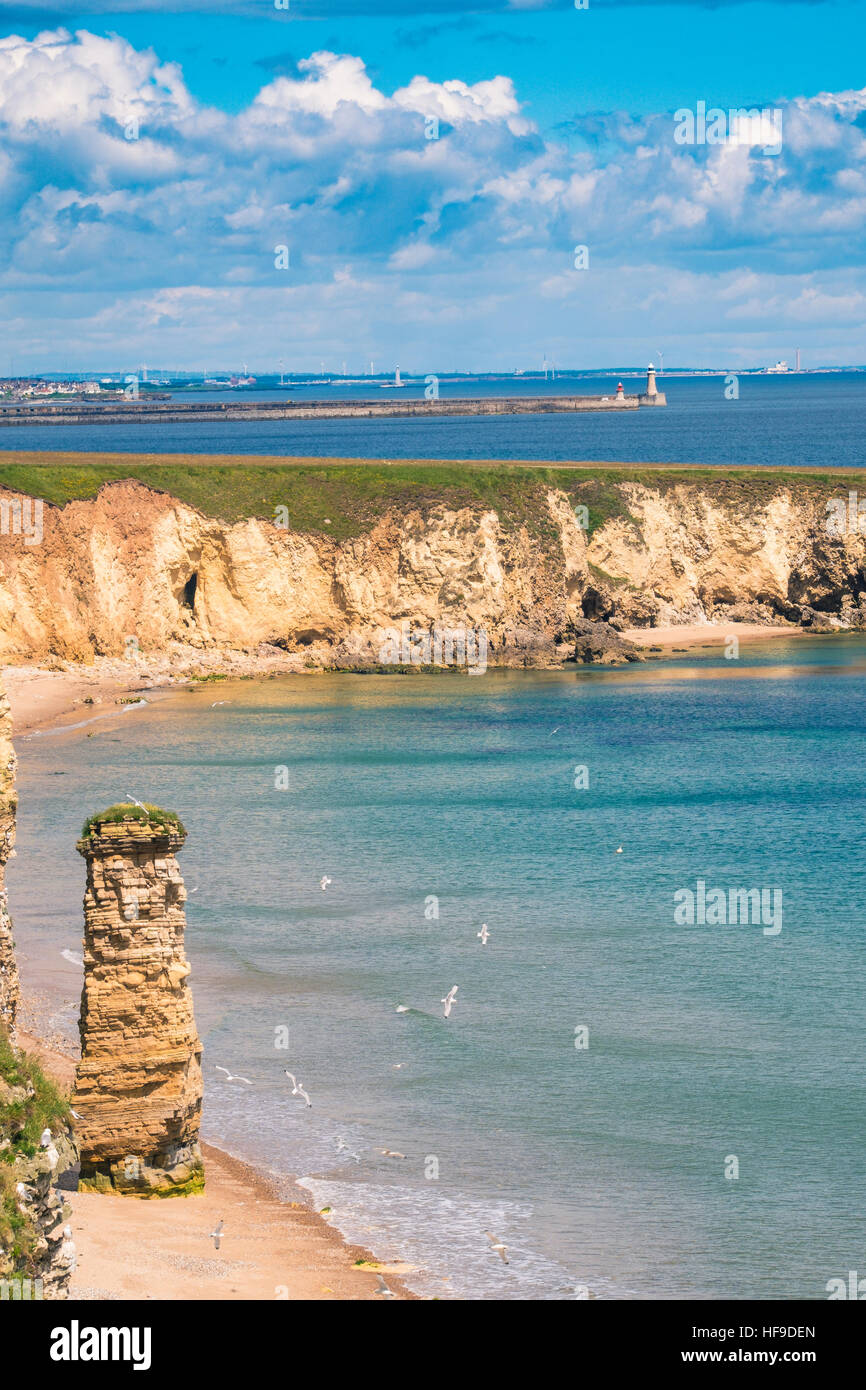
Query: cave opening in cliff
<point x="189" y="589"/>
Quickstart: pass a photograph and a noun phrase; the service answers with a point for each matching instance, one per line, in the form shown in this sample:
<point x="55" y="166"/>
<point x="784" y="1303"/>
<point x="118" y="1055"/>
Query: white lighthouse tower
<point x="652" y="395"/>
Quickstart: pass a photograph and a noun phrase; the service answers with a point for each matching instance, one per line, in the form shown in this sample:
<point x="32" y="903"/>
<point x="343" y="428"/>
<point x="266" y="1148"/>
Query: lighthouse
<point x="652" y="396"/>
<point x="620" y="393"/>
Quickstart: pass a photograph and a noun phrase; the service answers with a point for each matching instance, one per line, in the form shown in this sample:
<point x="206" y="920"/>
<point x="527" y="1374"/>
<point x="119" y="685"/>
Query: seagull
<point x="75" y="1115"/>
<point x="402" y="1008"/>
<point x="135" y="802"/>
<point x="298" y="1088"/>
<point x="324" y="883"/>
<point x="392" y="1153"/>
<point x="497" y="1245"/>
<point x="483" y="935"/>
<point x="72" y="958"/>
<point x="343" y="1147"/>
<point x="619" y="851"/>
<point x="45" y="1139"/>
<point x="219" y="702"/>
<point x="554" y="731"/>
<point x="216" y="1233"/>
<point x="449" y="999"/>
<point x="383" y="1288"/>
<point x="229" y="1076"/>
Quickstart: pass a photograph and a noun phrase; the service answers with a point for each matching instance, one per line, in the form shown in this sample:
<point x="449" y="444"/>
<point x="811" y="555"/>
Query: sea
<point x="637" y="1105"/>
<point x="811" y="420"/>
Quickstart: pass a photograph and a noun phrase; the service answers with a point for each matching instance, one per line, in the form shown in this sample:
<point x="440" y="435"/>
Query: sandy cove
<point x="72" y="693"/>
<point x="270" y="1250"/>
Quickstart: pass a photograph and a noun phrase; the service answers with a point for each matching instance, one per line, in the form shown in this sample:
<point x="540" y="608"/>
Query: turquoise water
<point x="602" y="1167"/>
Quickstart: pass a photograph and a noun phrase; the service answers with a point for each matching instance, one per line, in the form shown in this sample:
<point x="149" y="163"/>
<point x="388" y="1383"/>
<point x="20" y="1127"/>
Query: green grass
<point x="152" y="815"/>
<point x="344" y="498"/>
<point x="21" y="1125"/>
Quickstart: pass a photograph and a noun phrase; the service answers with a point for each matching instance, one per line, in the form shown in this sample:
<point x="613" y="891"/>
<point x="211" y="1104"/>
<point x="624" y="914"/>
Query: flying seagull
<point x="343" y="1147"/>
<point x="392" y="1153"/>
<point x="229" y="1076"/>
<point x="619" y="851"/>
<point x="383" y="1288"/>
<point x="219" y="702"/>
<point x="298" y="1088"/>
<point x="216" y="1233"/>
<point x="325" y="881"/>
<point x="449" y="1000"/>
<point x="497" y="1245"/>
<point x="483" y="935"/>
<point x="135" y="802"/>
<point x="402" y="1008"/>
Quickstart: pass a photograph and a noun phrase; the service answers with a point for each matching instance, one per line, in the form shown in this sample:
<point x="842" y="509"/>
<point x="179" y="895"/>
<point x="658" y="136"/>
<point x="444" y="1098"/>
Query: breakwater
<point x="147" y="412"/>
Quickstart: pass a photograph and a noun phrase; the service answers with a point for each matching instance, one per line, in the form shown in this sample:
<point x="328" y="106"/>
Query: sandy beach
<point x="162" y="1249"/>
<point x="707" y="634"/>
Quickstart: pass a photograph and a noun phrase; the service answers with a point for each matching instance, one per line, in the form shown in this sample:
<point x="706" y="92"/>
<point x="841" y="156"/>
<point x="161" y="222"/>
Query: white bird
<point x="402" y="1008"/>
<point x="133" y="800"/>
<point x="383" y="1288"/>
<point x="216" y="1233"/>
<point x="229" y="1076"/>
<point x="449" y="999"/>
<point x="324" y="882"/>
<point x="619" y="851"/>
<point x="501" y="1250"/>
<point x="45" y="1139"/>
<point x="75" y="1115"/>
<point x="298" y="1088"/>
<point x="219" y="702"/>
<point x="343" y="1147"/>
<point x="392" y="1153"/>
<point x="72" y="958"/>
<point x="483" y="935"/>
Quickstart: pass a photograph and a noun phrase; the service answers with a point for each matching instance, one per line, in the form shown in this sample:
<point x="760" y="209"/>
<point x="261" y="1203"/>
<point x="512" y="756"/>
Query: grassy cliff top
<point x="29" y="1103"/>
<point x="127" y="810"/>
<point x="342" y="498"/>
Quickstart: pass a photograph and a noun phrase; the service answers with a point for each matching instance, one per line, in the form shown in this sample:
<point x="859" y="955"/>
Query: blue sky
<point x="258" y="128"/>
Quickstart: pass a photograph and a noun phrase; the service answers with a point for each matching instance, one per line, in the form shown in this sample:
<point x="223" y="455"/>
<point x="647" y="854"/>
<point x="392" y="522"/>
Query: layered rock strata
<point x="138" y="1086"/>
<point x="8" y="804"/>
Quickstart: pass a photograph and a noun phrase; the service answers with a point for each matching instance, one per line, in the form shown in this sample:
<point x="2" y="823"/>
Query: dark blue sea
<point x="814" y="421"/>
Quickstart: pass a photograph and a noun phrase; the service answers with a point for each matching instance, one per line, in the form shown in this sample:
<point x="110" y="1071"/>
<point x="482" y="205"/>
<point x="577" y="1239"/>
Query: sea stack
<point x="8" y="806"/>
<point x="138" y="1086"/>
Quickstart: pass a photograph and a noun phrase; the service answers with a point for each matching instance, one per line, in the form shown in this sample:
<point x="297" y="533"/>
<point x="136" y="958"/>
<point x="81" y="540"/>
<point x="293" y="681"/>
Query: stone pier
<point x="138" y="1087"/>
<point x="8" y="806"/>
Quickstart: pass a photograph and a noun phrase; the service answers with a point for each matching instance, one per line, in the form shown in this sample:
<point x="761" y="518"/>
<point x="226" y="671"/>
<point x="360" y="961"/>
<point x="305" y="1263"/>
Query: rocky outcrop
<point x="138" y="1086"/>
<point x="599" y="644"/>
<point x="8" y="804"/>
<point x="134" y="568"/>
<point x="51" y="1255"/>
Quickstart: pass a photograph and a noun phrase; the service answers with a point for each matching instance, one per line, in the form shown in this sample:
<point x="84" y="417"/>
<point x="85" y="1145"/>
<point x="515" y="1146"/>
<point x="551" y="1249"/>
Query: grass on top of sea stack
<point x="127" y="810"/>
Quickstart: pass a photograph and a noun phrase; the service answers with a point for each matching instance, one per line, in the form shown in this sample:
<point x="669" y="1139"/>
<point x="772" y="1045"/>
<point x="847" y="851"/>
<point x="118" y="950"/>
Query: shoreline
<point x="43" y="697"/>
<point x="271" y="1248"/>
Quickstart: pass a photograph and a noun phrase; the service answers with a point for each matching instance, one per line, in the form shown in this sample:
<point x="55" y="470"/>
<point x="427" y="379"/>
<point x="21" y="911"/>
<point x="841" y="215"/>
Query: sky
<point x="459" y="186"/>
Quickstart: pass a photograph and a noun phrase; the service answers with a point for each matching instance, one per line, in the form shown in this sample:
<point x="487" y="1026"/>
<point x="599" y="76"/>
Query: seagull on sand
<point x="298" y="1088"/>
<point x="383" y="1288"/>
<point x="497" y="1245"/>
<point x="483" y="935"/>
<point x="216" y="1233"/>
<point x="133" y="801"/>
<point x="324" y="882"/>
<point x="229" y="1076"/>
<point x="449" y="1000"/>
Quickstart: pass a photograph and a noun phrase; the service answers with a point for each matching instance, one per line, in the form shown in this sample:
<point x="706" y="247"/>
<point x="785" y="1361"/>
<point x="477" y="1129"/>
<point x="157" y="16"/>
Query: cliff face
<point x="135" y="563"/>
<point x="8" y="803"/>
<point x="138" y="1086"/>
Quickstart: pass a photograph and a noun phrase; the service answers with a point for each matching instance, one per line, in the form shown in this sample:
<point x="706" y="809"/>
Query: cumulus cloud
<point x="148" y="213"/>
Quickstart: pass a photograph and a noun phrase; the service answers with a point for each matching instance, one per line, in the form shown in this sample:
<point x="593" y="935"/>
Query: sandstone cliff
<point x="138" y="1087"/>
<point x="136" y="566"/>
<point x="8" y="967"/>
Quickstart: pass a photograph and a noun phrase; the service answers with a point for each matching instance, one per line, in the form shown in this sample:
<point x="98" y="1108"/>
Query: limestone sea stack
<point x="138" y="1086"/>
<point x="8" y="806"/>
